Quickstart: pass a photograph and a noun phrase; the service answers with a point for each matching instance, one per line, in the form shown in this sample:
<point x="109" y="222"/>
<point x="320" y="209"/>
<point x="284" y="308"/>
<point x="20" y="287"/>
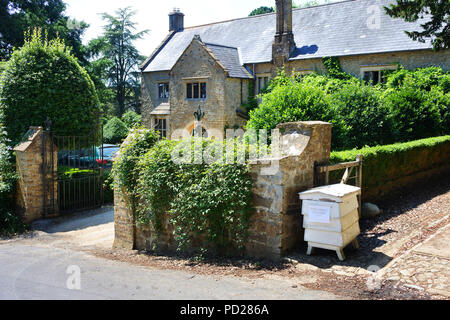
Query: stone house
<point x="218" y="66"/>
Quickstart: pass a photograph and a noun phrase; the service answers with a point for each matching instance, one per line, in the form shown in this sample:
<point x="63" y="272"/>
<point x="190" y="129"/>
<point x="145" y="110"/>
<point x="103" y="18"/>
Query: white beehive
<point x="331" y="218"/>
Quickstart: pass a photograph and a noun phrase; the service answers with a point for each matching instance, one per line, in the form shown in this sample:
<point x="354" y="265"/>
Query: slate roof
<point x="337" y="29"/>
<point x="230" y="59"/>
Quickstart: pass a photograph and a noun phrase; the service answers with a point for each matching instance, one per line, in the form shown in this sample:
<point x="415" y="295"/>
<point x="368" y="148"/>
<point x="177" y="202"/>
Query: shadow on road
<point x="75" y="222"/>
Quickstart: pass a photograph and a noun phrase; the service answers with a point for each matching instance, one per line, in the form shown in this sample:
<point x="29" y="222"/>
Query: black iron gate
<point x="76" y="173"/>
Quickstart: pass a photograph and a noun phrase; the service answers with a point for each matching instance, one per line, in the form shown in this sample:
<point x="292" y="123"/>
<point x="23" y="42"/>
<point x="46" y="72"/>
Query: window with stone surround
<point x="376" y="74"/>
<point x="195" y="90"/>
<point x="163" y="91"/>
<point x="160" y="125"/>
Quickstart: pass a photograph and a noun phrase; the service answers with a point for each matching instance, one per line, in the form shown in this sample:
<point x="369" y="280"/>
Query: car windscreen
<point x="110" y="152"/>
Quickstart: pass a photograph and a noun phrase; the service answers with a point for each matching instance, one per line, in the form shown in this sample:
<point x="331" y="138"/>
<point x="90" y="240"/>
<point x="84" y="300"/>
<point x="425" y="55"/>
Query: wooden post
<point x="359" y="158"/>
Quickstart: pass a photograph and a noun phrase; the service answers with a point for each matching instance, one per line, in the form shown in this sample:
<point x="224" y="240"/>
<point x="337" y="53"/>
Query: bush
<point x="124" y="169"/>
<point x="290" y="101"/>
<point x="388" y="163"/>
<point x="132" y="119"/>
<point x="412" y="105"/>
<point x="209" y="206"/>
<point x="10" y="223"/>
<point x="41" y="81"/>
<point x="115" y="131"/>
<point x="364" y="120"/>
<point x="418" y="101"/>
<point x="416" y="113"/>
<point x="355" y="110"/>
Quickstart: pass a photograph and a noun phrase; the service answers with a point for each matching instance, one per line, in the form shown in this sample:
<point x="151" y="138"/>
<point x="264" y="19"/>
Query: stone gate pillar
<point x="37" y="188"/>
<point x="277" y="224"/>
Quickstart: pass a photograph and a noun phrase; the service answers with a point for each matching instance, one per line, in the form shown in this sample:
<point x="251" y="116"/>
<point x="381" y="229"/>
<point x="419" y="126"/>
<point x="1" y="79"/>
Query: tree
<point x="436" y="28"/>
<point x="264" y="10"/>
<point x="41" y="81"/>
<point x="115" y="131"/>
<point x="18" y="16"/>
<point x="261" y="10"/>
<point x="115" y="50"/>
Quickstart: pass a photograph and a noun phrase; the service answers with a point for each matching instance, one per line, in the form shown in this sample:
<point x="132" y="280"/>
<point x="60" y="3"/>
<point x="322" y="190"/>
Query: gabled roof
<point x="337" y="29"/>
<point x="229" y="57"/>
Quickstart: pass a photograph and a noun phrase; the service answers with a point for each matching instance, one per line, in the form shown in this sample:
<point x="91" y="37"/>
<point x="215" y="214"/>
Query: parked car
<point x="109" y="152"/>
<point x="88" y="158"/>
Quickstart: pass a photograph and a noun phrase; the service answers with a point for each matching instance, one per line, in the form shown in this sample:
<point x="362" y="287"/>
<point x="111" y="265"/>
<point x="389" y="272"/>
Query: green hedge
<point x="383" y="164"/>
<point x="412" y="105"/>
<point x="41" y="81"/>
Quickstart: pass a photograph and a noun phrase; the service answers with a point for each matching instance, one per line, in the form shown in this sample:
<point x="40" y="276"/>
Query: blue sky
<point x="153" y="14"/>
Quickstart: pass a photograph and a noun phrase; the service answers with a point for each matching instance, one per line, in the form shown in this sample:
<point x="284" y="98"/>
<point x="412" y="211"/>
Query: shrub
<point x="355" y="110"/>
<point x="422" y="78"/>
<point x="412" y="105"/>
<point x="415" y="113"/>
<point x="209" y="206"/>
<point x="125" y="171"/>
<point x="10" y="223"/>
<point x="115" y="131"/>
<point x="383" y="164"/>
<point x="418" y="101"/>
<point x="365" y="120"/>
<point x="132" y="119"/>
<point x="41" y="81"/>
<point x="290" y="101"/>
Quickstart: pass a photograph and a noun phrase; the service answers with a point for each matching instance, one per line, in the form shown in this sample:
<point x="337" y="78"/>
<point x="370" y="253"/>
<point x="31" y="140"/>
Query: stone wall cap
<point x="23" y="146"/>
<point x="30" y="136"/>
<point x="304" y="124"/>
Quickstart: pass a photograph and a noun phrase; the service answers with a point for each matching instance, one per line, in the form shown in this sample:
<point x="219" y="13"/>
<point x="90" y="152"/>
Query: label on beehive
<point x="319" y="214"/>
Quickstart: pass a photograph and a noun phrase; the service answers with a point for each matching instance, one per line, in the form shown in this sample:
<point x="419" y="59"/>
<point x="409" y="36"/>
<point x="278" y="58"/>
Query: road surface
<point x="53" y="265"/>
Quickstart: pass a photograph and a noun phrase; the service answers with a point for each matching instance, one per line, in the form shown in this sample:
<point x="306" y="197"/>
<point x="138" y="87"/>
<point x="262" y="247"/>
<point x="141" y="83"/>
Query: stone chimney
<point x="284" y="42"/>
<point x="176" y="20"/>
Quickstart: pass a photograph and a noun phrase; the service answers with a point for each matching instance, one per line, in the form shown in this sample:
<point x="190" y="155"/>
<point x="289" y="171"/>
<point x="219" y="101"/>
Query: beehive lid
<point x="334" y="193"/>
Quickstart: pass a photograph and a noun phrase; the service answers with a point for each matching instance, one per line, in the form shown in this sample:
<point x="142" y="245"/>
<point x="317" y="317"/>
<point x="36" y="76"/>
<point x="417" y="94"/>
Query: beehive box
<point x="331" y="218"/>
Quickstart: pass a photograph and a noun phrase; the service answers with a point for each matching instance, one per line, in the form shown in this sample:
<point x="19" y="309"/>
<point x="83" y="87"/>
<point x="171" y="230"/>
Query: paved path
<point x="425" y="267"/>
<point x="46" y="266"/>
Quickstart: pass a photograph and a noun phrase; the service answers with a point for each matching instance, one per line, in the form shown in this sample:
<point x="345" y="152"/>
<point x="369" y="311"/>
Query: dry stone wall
<point x="276" y="226"/>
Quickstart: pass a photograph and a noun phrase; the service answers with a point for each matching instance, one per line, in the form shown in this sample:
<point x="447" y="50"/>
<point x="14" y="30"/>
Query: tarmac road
<point x="51" y="267"/>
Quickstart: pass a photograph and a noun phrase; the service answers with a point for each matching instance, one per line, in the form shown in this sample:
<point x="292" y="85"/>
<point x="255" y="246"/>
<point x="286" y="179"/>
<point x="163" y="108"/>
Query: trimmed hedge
<point x="388" y="163"/>
<point x="41" y="81"/>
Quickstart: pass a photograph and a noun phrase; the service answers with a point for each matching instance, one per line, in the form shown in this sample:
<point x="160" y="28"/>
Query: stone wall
<point x="124" y="221"/>
<point x="36" y="194"/>
<point x="276" y="227"/>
